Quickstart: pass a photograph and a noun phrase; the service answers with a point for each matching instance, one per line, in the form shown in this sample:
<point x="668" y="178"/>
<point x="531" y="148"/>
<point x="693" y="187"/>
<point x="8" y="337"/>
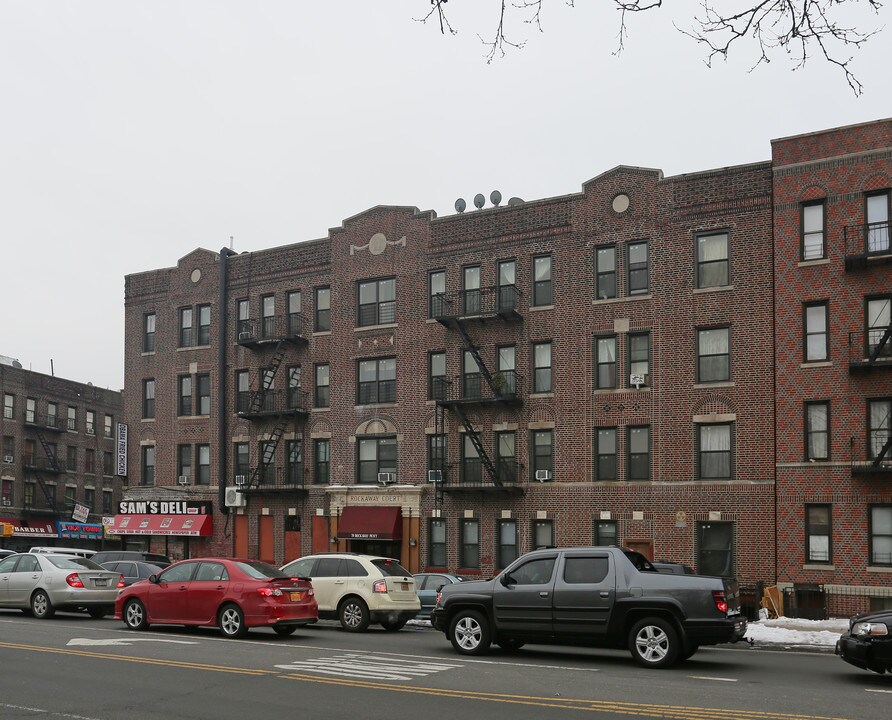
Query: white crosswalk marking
<point x="368" y="667"/>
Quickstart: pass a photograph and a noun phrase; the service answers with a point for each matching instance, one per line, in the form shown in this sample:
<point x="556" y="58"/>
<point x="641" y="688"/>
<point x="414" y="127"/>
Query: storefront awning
<point x="188" y="525"/>
<point x="36" y="529"/>
<point x="371" y="523"/>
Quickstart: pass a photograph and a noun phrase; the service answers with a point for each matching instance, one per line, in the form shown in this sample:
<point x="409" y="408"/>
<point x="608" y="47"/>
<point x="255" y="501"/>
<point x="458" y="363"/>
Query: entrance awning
<point x="31" y="528"/>
<point x="188" y="525"/>
<point x="379" y="522"/>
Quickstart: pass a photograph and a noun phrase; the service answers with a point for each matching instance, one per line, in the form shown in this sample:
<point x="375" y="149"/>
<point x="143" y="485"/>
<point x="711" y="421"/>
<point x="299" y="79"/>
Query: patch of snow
<point x="797" y="632"/>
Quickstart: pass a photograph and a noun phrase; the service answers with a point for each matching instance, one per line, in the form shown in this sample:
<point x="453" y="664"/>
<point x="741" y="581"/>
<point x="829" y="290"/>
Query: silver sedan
<point x="40" y="584"/>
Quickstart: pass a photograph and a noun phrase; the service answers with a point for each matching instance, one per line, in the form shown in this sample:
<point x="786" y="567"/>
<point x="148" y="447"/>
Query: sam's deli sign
<point x="164" y="507"/>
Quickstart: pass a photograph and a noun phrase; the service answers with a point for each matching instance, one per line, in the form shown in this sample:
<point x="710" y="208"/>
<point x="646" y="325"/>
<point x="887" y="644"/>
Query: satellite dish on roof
<point x="460" y="205"/>
<point x="515" y="201"/>
<point x="479" y="200"/>
<point x="495" y="197"/>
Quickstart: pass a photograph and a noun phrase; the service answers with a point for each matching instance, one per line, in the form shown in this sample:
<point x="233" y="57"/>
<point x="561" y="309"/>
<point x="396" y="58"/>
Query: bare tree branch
<point x="795" y="28"/>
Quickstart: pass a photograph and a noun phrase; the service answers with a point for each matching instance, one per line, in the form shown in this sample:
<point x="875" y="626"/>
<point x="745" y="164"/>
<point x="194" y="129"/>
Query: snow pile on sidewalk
<point x="796" y="632"/>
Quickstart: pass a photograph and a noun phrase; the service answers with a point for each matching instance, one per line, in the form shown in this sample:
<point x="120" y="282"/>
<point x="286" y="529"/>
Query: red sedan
<point x="228" y="593"/>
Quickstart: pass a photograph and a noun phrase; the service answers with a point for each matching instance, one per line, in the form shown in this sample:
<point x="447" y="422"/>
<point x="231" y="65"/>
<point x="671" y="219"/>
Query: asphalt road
<point x="76" y="668"/>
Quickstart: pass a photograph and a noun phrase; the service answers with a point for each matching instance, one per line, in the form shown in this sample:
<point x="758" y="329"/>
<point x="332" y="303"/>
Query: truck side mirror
<point x="506" y="579"/>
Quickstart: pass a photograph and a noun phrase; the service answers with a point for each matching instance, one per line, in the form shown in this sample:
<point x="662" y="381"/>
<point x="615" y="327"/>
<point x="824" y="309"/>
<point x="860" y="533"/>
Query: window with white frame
<point x="817" y="533"/>
<point x="813" y="230"/>
<point x="881" y="535"/>
<point x="815" y="315"/>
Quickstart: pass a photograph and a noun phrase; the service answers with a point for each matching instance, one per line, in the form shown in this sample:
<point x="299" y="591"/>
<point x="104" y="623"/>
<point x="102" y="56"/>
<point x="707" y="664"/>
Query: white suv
<point x="359" y="589"/>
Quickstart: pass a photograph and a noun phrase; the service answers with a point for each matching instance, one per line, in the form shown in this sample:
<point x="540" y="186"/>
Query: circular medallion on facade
<point x="621" y="203"/>
<point x="196" y="275"/>
<point x="378" y="244"/>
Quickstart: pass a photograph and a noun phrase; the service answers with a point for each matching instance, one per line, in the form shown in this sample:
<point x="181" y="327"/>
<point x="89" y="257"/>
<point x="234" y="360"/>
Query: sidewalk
<point x="796" y="634"/>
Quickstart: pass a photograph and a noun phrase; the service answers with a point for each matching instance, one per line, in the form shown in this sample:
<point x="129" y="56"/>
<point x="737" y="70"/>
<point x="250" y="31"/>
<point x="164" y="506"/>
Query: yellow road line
<point x="671" y="712"/>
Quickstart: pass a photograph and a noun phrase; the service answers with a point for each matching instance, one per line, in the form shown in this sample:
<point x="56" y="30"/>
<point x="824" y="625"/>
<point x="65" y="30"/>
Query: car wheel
<point x="394" y="625"/>
<point x="284" y="630"/>
<point x="97" y="613"/>
<point x="354" y="615"/>
<point x="654" y="643"/>
<point x="232" y="621"/>
<point x="41" y="605"/>
<point x="135" y="615"/>
<point x="469" y="633"/>
<point x="510" y="644"/>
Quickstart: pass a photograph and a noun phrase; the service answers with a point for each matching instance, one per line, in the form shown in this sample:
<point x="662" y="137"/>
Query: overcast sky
<point x="132" y="133"/>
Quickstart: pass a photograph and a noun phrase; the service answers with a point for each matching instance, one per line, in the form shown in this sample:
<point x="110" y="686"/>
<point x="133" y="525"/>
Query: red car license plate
<point x="296" y="596"/>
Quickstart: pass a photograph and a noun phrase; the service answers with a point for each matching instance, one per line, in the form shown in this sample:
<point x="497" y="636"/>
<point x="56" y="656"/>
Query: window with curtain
<point x="879" y="319"/>
<point x="639" y="453"/>
<point x="507" y="299"/>
<point x="817" y="430"/>
<point x="542" y="367"/>
<point x="881" y="535"/>
<point x="878" y="427"/>
<point x="877" y="212"/>
<point x="376" y="455"/>
<point x="713" y="355"/>
<point x="815" y="331"/>
<point x="471" y="290"/>
<point x="713" y="260"/>
<point x="605" y="273"/>
<point x="813" y="230"/>
<point x="507" y="550"/>
<point x="817" y="532"/>
<point x="639" y="357"/>
<point x="638" y="274"/>
<point x="436" y="552"/>
<point x="542" y="290"/>
<point x="605" y="373"/>
<point x="714" y="452"/>
<point x="605" y="452"/>
<point x="469" y="552"/>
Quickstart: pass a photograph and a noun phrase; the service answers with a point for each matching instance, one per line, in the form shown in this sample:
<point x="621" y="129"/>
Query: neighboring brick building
<point x="58" y="451"/>
<point x="453" y="391"/>
<point x="834" y="359"/>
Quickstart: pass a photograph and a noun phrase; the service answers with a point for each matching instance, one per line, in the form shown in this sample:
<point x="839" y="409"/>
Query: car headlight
<point x="869" y="628"/>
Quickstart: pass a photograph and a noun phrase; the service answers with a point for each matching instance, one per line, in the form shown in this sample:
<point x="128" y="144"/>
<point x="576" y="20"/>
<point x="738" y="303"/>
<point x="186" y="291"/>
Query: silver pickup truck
<point x="595" y="596"/>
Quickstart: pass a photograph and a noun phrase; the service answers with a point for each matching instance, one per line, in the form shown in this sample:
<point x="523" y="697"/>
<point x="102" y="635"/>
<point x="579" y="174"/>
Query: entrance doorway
<point x="384" y="548"/>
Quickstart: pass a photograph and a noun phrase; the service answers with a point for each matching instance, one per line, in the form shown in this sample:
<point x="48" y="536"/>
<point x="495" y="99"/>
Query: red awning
<point x="189" y="525"/>
<point x="371" y="523"/>
<point x="31" y="528"/>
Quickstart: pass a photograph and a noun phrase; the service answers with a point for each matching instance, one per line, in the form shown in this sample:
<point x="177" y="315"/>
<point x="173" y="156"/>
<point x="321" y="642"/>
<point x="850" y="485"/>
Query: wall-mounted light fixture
<point x="332" y="540"/>
<point x="412" y="542"/>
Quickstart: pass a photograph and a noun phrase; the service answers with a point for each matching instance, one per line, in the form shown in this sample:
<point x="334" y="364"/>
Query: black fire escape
<point x="476" y="390"/>
<point x="48" y="464"/>
<point x="275" y="410"/>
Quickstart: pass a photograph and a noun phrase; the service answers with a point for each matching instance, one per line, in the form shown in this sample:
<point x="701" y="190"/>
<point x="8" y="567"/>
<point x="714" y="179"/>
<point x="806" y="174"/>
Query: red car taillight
<point x="269" y="592"/>
<point x="74" y="580"/>
<point x="719" y="597"/>
<point x="380" y="586"/>
<point x="121" y="583"/>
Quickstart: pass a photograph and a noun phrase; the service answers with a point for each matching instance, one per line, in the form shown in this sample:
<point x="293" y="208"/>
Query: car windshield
<point x="390" y="567"/>
<point x="73" y="563"/>
<point x="260" y="570"/>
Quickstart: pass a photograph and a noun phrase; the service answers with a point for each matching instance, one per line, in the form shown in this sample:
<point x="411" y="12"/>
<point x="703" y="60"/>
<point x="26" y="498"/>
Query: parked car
<point x="104" y="556"/>
<point x="868" y="642"/>
<point x="596" y="596"/>
<point x="39" y="584"/>
<point x="427" y="585"/>
<point x="132" y="571"/>
<point x="6" y="553"/>
<point x="360" y="589"/>
<point x="231" y="594"/>
<point x="53" y="550"/>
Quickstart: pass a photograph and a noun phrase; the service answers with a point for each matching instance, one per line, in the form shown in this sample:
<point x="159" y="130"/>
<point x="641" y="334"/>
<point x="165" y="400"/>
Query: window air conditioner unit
<point x="183" y="480"/>
<point x="543" y="475"/>
<point x="435" y="476"/>
<point x="6" y="503"/>
<point x="235" y="499"/>
<point x="244" y="335"/>
<point x="240" y="479"/>
<point x="639" y="379"/>
<point x="386" y="478"/>
<point x="8" y="459"/>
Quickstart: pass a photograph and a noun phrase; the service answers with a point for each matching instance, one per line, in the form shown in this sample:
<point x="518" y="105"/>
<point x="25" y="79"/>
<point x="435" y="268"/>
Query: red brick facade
<point x="708" y="299"/>
<point x="839" y="168"/>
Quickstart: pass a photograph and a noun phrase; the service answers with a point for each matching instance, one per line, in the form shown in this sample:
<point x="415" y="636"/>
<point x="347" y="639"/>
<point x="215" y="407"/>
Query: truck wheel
<point x="469" y="633"/>
<point x="654" y="643"/>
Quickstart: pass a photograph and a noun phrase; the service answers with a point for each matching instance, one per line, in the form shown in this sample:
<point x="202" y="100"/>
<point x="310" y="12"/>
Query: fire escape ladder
<point x="884" y="453"/>
<point x="269" y="451"/>
<point x="50" y="497"/>
<point x="258" y="399"/>
<point x="881" y="344"/>
<point x="50" y="456"/>
<point x="478" y="446"/>
<point x="475" y="353"/>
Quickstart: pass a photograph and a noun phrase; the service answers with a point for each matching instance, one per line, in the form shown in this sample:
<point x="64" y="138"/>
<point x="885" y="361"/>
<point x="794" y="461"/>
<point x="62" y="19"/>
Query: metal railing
<point x="275" y="477"/>
<point x="506" y="386"/>
<point x="270" y="329"/>
<point x="819" y="602"/>
<point x="503" y="300"/>
<point x="41" y="420"/>
<point x="871" y="348"/>
<point x="272" y="402"/>
<point x="866" y="241"/>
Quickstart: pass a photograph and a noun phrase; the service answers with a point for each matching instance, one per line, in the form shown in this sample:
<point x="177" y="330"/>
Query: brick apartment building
<point x="592" y="368"/>
<point x="834" y="358"/>
<point x="58" y="453"/>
